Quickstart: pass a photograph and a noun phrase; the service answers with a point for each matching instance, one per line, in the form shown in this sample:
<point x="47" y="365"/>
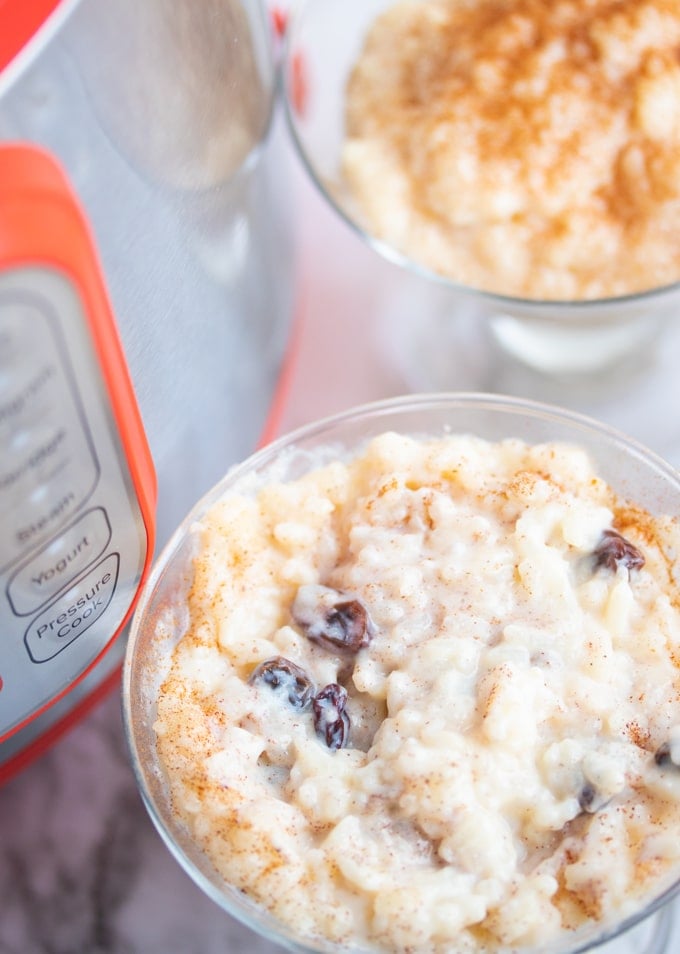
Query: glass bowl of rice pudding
<point x="519" y="159"/>
<point x="407" y="680"/>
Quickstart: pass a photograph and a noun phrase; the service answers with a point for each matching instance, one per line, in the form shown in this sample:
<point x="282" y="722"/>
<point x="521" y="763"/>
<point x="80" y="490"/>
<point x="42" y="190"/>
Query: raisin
<point x="591" y="800"/>
<point x="587" y="798"/>
<point x="663" y="756"/>
<point x="331" y="721"/>
<point x="613" y="551"/>
<point x="283" y="675"/>
<point x="347" y="626"/>
<point x="331" y="620"/>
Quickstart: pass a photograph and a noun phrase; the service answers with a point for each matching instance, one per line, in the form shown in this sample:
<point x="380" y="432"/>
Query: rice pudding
<point x="522" y="147"/>
<point x="428" y="697"/>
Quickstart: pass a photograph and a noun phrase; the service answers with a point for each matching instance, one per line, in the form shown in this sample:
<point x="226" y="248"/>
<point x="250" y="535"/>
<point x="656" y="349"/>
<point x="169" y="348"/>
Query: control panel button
<point x="73" y="614"/>
<point x="59" y="563"/>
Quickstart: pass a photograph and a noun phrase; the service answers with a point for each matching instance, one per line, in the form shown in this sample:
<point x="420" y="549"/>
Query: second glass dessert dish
<point x="507" y="158"/>
<point x="406" y="680"/>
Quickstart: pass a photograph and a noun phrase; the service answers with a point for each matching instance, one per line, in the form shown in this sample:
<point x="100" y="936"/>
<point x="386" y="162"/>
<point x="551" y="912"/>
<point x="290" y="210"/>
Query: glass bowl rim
<point x="251" y="914"/>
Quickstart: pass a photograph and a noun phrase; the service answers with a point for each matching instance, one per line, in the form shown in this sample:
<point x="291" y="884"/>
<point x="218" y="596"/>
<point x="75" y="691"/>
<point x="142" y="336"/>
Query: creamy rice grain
<point x="523" y="146"/>
<point x="428" y="698"/>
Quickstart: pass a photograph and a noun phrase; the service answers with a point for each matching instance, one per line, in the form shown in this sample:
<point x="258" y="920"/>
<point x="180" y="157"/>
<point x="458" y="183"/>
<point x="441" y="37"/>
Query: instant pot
<point x="145" y="303"/>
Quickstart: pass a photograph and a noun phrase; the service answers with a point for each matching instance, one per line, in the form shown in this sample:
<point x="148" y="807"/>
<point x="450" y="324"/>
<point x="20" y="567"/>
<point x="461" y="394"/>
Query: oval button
<point x="61" y="561"/>
<point x="73" y="614"/>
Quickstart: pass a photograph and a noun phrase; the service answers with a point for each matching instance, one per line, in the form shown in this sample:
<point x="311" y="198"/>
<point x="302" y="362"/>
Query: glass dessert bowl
<point x="284" y="715"/>
<point x="510" y="240"/>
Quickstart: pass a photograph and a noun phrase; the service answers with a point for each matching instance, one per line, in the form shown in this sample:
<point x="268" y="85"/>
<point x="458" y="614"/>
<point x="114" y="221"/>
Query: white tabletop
<point x="82" y="871"/>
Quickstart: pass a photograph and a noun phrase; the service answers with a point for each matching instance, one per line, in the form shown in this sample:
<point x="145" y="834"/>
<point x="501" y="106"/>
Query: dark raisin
<point x="613" y="551"/>
<point x="663" y="757"/>
<point x="347" y="626"/>
<point x="331" y="620"/>
<point x="591" y="800"/>
<point x="331" y="721"/>
<point x="283" y="675"/>
<point x="587" y="798"/>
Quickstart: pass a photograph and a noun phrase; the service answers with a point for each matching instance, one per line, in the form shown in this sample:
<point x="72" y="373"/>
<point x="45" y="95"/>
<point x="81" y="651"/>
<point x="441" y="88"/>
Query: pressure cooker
<point x="145" y="306"/>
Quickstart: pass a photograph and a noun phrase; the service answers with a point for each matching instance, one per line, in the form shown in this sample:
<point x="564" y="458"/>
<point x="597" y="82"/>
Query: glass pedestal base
<point x="433" y="348"/>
